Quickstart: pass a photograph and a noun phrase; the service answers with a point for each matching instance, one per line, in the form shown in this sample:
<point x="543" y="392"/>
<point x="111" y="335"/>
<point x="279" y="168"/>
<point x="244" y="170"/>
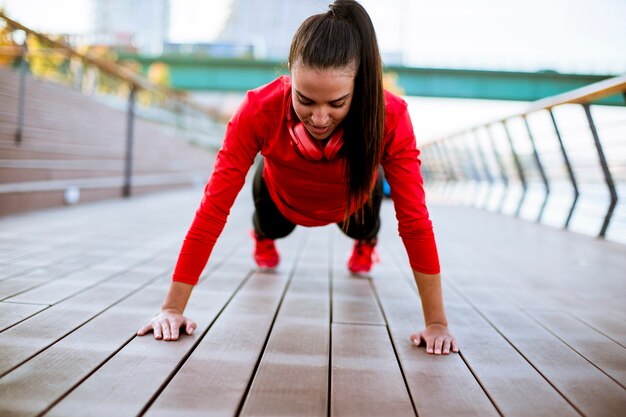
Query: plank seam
<point x="24" y="319"/>
<point x="331" y="277"/>
<point x="97" y="283"/>
<point x="108" y="358"/>
<point x="593" y="327"/>
<point x="24" y="303"/>
<point x="453" y="287"/>
<point x="360" y="324"/>
<point x="81" y="325"/>
<point x="71" y="271"/>
<point x="244" y="397"/>
<point x="413" y="286"/>
<point x="571" y="347"/>
<point x="393" y="345"/>
<point x="83" y="379"/>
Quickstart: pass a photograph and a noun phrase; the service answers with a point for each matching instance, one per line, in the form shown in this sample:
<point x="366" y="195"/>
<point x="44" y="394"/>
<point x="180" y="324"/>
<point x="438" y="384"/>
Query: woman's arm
<point x="170" y="319"/>
<point x="437" y="337"/>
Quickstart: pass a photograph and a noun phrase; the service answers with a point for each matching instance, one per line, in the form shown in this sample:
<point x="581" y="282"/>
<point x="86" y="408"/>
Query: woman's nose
<point x="319" y="117"/>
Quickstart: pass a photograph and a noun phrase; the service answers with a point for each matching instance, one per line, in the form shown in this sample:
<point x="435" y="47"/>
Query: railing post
<point x="570" y="171"/>
<point x="19" y="133"/>
<point x="445" y="150"/>
<point x="608" y="178"/>
<point x="465" y="155"/>
<point x="130" y="119"/>
<point x="518" y="166"/>
<point x="446" y="162"/>
<point x="503" y="176"/>
<point x="485" y="167"/>
<point x="426" y="165"/>
<point x="483" y="160"/>
<point x="442" y="174"/>
<point x="542" y="172"/>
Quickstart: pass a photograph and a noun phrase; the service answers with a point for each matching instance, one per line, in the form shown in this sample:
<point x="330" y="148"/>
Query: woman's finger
<point x="430" y="344"/>
<point x="144" y="329"/>
<point x="416" y="338"/>
<point x="166" y="329"/>
<point x="455" y="345"/>
<point x="174" y="326"/>
<point x="446" y="346"/>
<point x="158" y="334"/>
<point x="190" y="326"/>
<point x="438" y="344"/>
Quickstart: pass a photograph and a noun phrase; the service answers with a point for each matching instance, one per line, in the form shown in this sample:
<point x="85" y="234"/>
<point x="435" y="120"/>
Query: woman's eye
<point x="338" y="106"/>
<point x="304" y="103"/>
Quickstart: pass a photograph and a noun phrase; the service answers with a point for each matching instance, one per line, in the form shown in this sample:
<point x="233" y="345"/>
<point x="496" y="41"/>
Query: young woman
<point x="323" y="133"/>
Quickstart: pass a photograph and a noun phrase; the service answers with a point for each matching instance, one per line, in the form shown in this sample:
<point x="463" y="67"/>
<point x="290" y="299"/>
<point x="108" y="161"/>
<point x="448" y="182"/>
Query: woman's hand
<point x="166" y="325"/>
<point x="437" y="338"/>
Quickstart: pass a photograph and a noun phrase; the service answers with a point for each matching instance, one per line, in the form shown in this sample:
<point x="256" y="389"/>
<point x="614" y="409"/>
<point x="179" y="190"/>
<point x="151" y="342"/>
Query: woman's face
<point x="321" y="98"/>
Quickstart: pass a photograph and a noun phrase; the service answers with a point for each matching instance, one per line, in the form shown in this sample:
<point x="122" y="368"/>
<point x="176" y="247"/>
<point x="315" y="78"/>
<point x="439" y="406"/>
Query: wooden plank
<point x="31" y="279"/>
<point x="366" y="377"/>
<point x="12" y="269"/>
<point x="34" y="335"/>
<point x="34" y="386"/>
<point x="126" y="392"/>
<point x="506" y="376"/>
<point x="612" y="326"/>
<point x="72" y="359"/>
<point x="57" y="290"/>
<point x="353" y="300"/>
<point x="607" y="355"/>
<point x="12" y="313"/>
<point x="292" y="377"/>
<point x="223" y="363"/>
<point x="434" y="381"/>
<point x="588" y="389"/>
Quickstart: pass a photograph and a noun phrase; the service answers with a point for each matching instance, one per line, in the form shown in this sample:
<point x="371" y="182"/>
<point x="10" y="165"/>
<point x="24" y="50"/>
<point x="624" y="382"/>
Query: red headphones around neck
<point x="313" y="149"/>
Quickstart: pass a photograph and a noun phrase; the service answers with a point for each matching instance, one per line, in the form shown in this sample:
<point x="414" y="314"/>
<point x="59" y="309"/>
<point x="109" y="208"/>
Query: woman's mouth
<point x="319" y="130"/>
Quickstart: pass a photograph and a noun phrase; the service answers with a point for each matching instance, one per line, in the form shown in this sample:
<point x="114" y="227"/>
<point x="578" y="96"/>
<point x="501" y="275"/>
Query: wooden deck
<point x="539" y="313"/>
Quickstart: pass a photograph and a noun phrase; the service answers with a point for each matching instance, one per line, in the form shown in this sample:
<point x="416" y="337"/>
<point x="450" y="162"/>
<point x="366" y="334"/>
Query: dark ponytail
<point x="342" y="37"/>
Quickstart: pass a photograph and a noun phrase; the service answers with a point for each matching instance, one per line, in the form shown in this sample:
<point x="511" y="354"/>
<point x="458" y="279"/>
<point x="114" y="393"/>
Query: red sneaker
<point x="265" y="253"/>
<point x="363" y="256"/>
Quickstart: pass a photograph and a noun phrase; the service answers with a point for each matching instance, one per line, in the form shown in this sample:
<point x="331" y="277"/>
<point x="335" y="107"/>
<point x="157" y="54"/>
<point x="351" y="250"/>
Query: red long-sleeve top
<point x="307" y="193"/>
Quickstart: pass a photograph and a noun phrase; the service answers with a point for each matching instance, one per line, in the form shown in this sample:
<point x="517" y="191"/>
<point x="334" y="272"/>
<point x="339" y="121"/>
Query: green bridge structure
<point x="202" y="73"/>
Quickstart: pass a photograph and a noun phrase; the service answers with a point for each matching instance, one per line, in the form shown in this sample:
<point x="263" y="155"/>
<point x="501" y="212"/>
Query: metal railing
<point x="563" y="156"/>
<point x="118" y="84"/>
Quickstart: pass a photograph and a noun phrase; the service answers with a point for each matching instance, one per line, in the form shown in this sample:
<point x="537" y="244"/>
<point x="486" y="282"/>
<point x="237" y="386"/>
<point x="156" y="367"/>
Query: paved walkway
<point x="539" y="314"/>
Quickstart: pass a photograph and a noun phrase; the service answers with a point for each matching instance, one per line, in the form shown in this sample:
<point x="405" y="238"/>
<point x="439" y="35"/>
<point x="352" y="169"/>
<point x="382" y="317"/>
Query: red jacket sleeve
<point x="402" y="170"/>
<point x="240" y="146"/>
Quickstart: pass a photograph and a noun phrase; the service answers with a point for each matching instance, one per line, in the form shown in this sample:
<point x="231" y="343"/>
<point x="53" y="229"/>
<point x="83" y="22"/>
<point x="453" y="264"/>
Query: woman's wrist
<point x="171" y="309"/>
<point x="435" y="323"/>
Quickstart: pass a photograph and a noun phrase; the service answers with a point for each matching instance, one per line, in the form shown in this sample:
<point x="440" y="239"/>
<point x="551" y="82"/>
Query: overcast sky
<point x="567" y="35"/>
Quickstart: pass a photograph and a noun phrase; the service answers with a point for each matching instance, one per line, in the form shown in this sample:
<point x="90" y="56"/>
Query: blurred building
<point x="138" y="24"/>
<point x="268" y="25"/>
